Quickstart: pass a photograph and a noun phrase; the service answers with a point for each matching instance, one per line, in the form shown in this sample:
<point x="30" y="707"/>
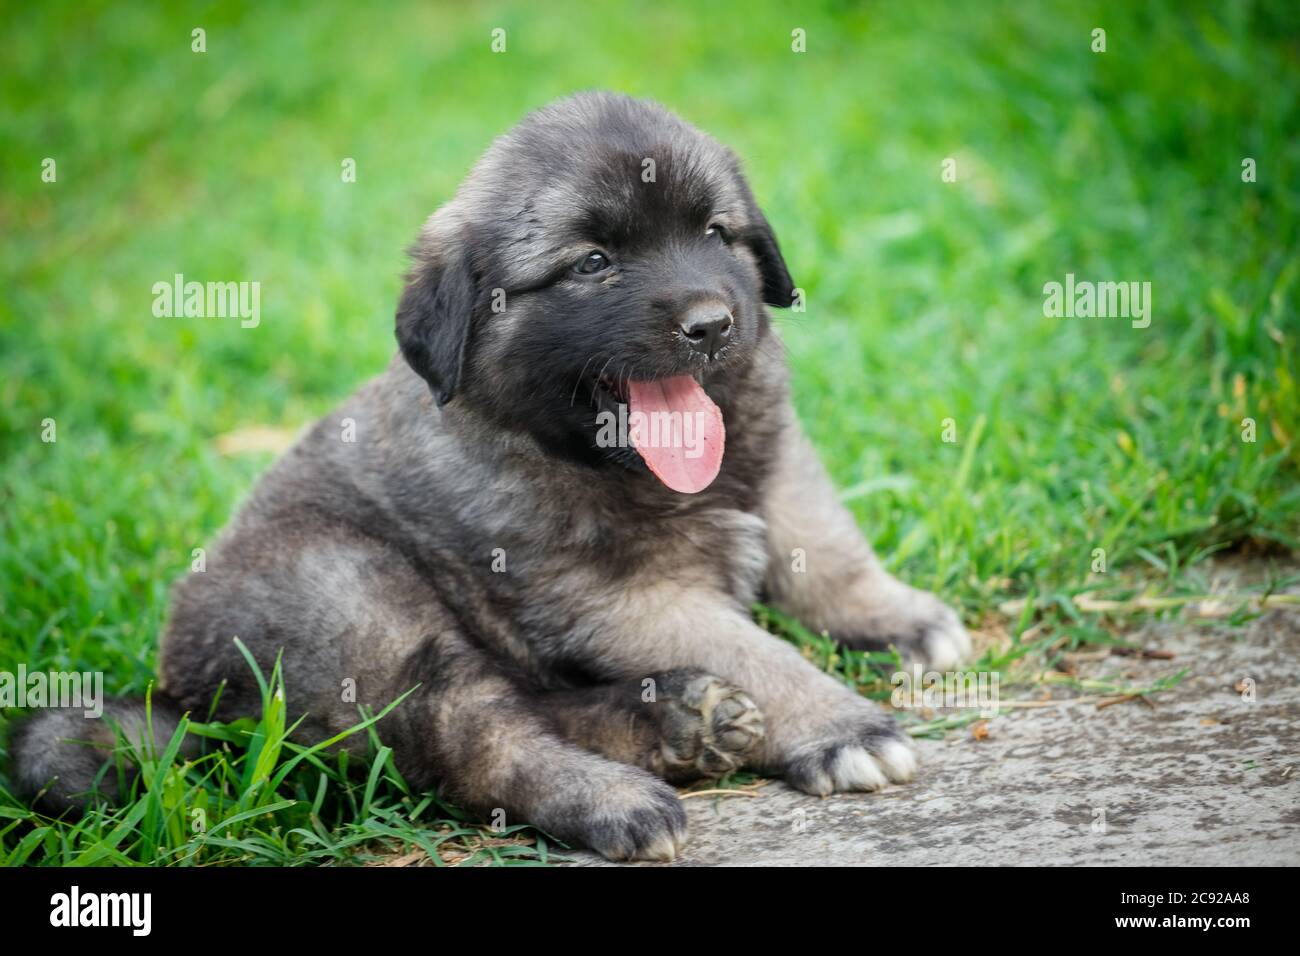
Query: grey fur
<point x="61" y="757"/>
<point x="373" y="559"/>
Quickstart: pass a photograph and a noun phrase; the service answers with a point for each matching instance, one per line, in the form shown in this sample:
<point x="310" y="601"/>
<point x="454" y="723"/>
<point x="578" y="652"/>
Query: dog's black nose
<point x="707" y="327"/>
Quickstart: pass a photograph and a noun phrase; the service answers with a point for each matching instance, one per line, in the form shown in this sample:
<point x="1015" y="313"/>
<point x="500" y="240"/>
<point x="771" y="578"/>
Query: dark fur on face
<point x="668" y="207"/>
<point x="574" y="631"/>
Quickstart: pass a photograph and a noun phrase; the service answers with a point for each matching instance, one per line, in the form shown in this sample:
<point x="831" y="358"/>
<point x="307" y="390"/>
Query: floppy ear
<point x="778" y="287"/>
<point x="433" y="319"/>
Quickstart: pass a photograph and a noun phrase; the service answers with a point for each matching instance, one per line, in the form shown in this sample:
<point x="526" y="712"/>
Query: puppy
<point x="552" y="513"/>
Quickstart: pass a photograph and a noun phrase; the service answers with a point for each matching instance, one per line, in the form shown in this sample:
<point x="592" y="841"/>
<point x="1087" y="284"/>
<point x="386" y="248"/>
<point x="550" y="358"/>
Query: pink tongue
<point x="677" y="430"/>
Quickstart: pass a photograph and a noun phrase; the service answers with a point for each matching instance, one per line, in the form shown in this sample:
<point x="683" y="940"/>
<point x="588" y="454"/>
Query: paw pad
<point x="711" y="728"/>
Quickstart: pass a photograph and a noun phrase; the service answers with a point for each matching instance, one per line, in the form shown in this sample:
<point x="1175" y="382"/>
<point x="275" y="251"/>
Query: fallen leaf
<point x="255" y="438"/>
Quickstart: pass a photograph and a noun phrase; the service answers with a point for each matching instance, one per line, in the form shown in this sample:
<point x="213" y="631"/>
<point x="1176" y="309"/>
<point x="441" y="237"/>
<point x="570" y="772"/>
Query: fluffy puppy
<point x="554" y="510"/>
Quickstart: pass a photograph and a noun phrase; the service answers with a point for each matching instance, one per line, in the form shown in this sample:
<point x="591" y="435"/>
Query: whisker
<point x="574" y="396"/>
<point x="599" y="375"/>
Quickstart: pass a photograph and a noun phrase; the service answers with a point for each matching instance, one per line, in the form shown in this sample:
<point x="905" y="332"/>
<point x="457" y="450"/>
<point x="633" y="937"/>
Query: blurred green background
<point x="924" y="297"/>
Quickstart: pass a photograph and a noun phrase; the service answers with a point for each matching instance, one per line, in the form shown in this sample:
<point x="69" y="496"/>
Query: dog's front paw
<point x="630" y="815"/>
<point x="922" y="627"/>
<point x="867" y="754"/>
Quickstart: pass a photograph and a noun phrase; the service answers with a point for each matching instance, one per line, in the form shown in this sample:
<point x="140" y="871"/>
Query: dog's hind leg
<point x="475" y="733"/>
<point x="682" y="725"/>
<point x="358" y="626"/>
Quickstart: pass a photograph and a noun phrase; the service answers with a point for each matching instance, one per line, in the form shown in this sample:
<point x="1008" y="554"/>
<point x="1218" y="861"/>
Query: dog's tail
<point x="61" y="760"/>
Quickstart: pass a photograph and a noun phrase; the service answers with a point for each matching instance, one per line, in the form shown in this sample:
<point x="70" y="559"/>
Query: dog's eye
<point x="716" y="232"/>
<point x="593" y="262"/>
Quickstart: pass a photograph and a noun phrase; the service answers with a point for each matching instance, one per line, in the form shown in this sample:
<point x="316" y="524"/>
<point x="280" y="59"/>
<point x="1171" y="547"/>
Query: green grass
<point x="924" y="304"/>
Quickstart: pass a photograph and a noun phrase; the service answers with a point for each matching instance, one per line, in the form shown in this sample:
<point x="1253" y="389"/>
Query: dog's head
<point x="601" y="270"/>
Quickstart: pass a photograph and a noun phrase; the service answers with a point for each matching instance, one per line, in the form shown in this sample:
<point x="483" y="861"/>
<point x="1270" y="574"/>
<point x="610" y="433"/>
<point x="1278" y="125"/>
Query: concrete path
<point x="1203" y="778"/>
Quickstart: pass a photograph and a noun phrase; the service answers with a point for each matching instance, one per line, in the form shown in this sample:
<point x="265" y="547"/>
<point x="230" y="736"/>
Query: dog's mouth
<point x="671" y="422"/>
<point x="609" y="390"/>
